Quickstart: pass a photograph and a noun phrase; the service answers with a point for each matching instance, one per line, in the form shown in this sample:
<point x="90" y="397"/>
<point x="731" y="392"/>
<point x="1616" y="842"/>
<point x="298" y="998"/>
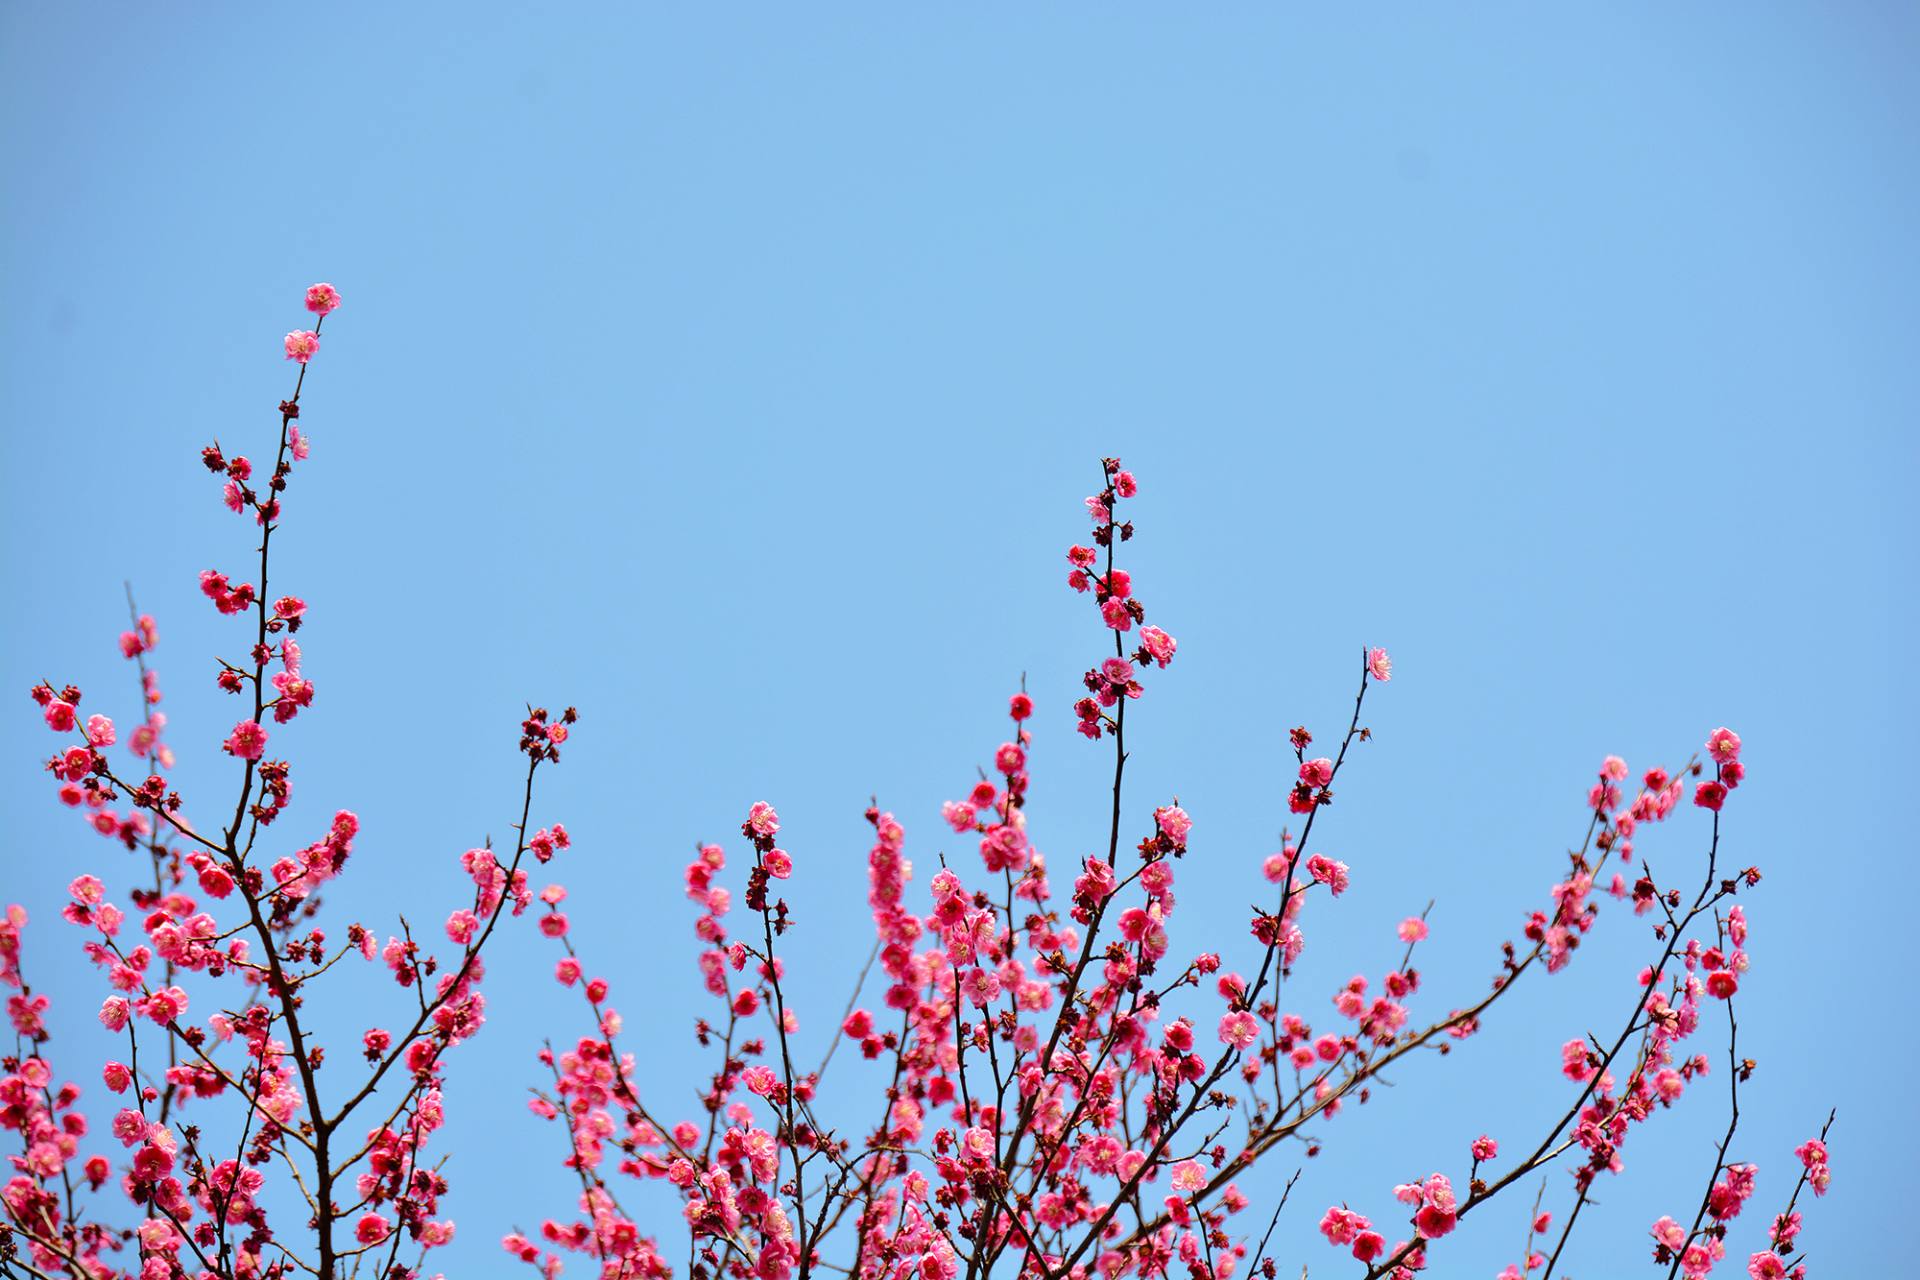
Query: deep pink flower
<point x="302" y="344"/>
<point x="1723" y="745"/>
<point x="1159" y="645"/>
<point x="247" y="741"/>
<point x="1342" y="1226"/>
<point x="763" y="820"/>
<point x="1173" y="822"/>
<point x="1328" y="872"/>
<point x="322" y="299"/>
<point x="1240" y="1029"/>
<point x="1439" y="1214"/>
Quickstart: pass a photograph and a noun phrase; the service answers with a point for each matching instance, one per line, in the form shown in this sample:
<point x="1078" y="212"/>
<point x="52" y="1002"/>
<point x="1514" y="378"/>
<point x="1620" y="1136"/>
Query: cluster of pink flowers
<point x="1695" y="1251"/>
<point x="1059" y="1079"/>
<point x="241" y="927"/>
<point x="1667" y="1012"/>
<point x="1113" y="682"/>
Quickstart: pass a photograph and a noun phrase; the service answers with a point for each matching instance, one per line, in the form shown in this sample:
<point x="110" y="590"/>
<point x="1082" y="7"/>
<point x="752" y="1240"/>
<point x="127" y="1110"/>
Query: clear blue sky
<point x="739" y="379"/>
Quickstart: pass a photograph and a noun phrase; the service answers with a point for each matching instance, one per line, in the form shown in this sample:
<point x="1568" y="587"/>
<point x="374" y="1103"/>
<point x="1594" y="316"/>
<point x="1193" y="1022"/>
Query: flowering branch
<point x="1061" y="1096"/>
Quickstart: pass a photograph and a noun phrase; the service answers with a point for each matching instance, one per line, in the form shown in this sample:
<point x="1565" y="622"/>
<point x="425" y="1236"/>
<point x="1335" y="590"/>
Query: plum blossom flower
<point x="763" y="820"/>
<point x="1438" y="1212"/>
<point x="1189" y="1175"/>
<point x="1379" y="665"/>
<point x="1240" y="1029"/>
<point x="247" y="741"/>
<point x="1813" y="1154"/>
<point x="1328" y="872"/>
<point x="1342" y="1226"/>
<point x="302" y="344"/>
<point x="1158" y="645"/>
<point x="322" y="299"/>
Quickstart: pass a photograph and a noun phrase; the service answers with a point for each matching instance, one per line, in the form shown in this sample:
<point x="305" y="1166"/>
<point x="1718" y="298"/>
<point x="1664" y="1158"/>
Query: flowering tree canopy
<point x="1068" y="1097"/>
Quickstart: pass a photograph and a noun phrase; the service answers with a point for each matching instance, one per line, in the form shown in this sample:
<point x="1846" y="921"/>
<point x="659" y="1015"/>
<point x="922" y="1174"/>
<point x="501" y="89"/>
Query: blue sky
<point x="738" y="378"/>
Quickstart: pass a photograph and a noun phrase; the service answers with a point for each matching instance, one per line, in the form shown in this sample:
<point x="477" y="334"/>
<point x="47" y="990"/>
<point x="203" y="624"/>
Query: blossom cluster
<point x="1066" y="1092"/>
<point x="210" y="966"/>
<point x="1112" y="683"/>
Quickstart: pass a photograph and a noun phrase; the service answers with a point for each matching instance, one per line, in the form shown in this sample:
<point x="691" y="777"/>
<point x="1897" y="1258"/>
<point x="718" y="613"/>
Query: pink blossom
<point x="1813" y="1154"/>
<point x="322" y="299"/>
<point x="1328" y="872"/>
<point x="1379" y="665"/>
<point x="1240" y="1029"/>
<point x="1342" y="1226"/>
<point x="762" y="820"/>
<point x="1158" y="644"/>
<point x="247" y="741"/>
<point x="1438" y="1213"/>
<point x="302" y="344"/>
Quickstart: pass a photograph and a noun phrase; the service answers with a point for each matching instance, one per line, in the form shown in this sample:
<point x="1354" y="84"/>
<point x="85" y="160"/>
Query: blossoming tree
<point x="1067" y="1098"/>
